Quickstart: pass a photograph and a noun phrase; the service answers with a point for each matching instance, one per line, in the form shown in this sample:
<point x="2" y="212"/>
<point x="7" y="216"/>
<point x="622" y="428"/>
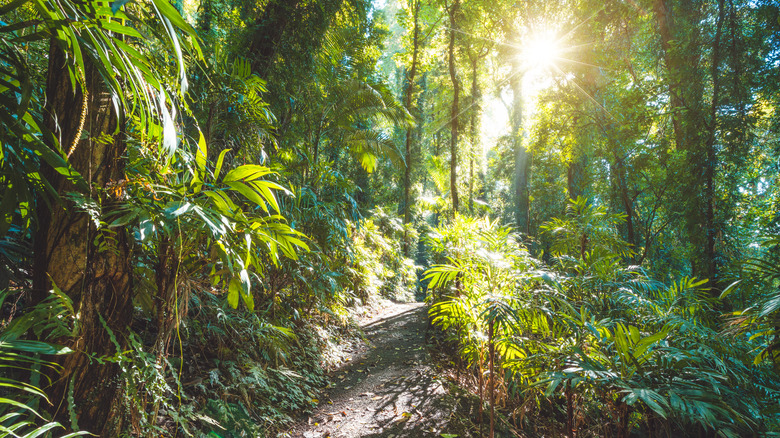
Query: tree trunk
<point x="277" y="33"/>
<point x="522" y="168"/>
<point x="408" y="95"/>
<point x="711" y="161"/>
<point x="575" y="176"/>
<point x="481" y="393"/>
<point x="694" y="129"/>
<point x="673" y="66"/>
<point x="621" y="183"/>
<point x="88" y="263"/>
<point x="167" y="304"/>
<point x="455" y="112"/>
<point x="471" y="183"/>
<point x="476" y="97"/>
<point x="270" y="28"/>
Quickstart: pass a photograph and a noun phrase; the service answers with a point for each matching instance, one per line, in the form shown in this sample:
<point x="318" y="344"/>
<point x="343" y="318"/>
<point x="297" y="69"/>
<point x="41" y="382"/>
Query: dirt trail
<point x="388" y="389"/>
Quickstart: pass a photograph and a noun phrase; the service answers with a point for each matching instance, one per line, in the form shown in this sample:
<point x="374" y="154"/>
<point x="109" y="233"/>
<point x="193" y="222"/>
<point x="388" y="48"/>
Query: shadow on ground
<point x="388" y="389"/>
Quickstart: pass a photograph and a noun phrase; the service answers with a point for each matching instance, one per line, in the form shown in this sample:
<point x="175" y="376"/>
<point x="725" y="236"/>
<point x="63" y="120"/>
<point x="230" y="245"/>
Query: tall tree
<point x="408" y="95"/>
<point x="479" y="44"/>
<point x="91" y="77"/>
<point x="694" y="125"/>
<point x="453" y="11"/>
<point x="89" y="264"/>
<point x="522" y="159"/>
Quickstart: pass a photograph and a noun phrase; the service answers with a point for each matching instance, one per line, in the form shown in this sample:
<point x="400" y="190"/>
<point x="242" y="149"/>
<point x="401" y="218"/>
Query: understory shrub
<point x="379" y="265"/>
<point x="591" y="344"/>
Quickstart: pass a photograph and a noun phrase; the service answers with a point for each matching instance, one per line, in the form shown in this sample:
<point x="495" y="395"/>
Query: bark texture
<point x="89" y="264"/>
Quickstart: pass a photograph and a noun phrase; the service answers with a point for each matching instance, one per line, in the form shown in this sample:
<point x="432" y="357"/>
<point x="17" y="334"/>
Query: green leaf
<point x="730" y="288"/>
<point x="177" y="209"/>
<point x="220" y="161"/>
<point x="263" y="187"/>
<point x="553" y="385"/>
<point x="42" y="430"/>
<point x="234" y="288"/>
<point x="202" y="154"/>
<point x="167" y="10"/>
<point x="35" y="347"/>
<point x="651" y="398"/>
<point x="118" y="28"/>
<point x="246" y="290"/>
<point x="168" y="15"/>
<point x="10" y="6"/>
<point x="247" y="172"/>
<point x="249" y="193"/>
<point x="222" y="202"/>
<point x="17" y="404"/>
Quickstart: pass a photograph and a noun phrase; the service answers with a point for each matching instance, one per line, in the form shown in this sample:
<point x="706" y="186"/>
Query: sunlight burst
<point x="542" y="51"/>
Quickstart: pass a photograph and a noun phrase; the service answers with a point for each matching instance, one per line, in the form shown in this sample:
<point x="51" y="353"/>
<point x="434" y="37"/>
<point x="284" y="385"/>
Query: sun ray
<point x="541" y="51"/>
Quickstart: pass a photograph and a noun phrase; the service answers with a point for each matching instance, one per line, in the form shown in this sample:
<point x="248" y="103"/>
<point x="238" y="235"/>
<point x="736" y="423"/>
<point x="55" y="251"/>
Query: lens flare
<point x="542" y="51"/>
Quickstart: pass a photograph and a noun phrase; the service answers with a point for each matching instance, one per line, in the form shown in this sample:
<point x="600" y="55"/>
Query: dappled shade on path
<point x="388" y="389"/>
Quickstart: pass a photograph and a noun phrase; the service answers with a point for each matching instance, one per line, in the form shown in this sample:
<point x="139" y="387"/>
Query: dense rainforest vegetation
<point x="198" y="194"/>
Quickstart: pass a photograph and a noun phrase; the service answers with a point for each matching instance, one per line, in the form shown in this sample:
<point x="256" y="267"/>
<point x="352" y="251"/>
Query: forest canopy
<point x="197" y="195"/>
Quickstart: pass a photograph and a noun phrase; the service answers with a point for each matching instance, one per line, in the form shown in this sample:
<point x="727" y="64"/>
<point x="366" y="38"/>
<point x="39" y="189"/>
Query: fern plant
<point x="25" y="370"/>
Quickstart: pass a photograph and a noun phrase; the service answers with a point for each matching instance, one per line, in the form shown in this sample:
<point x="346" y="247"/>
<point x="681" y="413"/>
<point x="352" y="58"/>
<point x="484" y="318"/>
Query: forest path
<point x="388" y="389"/>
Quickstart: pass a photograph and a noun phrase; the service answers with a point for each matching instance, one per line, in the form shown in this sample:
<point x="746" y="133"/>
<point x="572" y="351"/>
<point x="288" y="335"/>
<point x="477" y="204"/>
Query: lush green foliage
<point x="193" y="195"/>
<point x="611" y="348"/>
<point x="20" y="360"/>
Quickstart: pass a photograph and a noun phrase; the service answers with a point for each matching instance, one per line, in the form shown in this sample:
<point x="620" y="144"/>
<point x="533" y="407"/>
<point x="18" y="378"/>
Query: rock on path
<point x="387" y="390"/>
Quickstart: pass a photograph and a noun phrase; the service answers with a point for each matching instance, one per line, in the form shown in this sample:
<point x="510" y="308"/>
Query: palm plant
<point x="760" y="320"/>
<point x="587" y="228"/>
<point x="200" y="219"/>
<point x="349" y="114"/>
<point x="232" y="114"/>
<point x="77" y="76"/>
<point x="24" y="369"/>
<point x="478" y="306"/>
<point x="672" y="368"/>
